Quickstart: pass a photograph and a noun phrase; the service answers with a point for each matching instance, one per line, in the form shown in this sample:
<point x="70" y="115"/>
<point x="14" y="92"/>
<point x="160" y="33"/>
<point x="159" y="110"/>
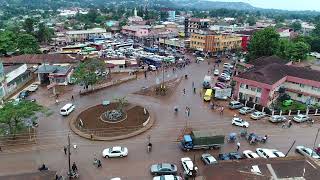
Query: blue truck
<point x="201" y="140"/>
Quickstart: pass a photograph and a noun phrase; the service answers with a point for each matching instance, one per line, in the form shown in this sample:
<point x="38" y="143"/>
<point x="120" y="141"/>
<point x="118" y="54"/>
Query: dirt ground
<point x="94" y="125"/>
<point x="151" y="91"/>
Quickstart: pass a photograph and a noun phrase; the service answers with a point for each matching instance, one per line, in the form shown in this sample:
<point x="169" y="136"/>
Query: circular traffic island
<point x="111" y="122"/>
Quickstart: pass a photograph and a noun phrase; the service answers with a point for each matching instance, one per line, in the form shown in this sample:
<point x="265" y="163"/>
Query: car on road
<point x="301" y="118"/>
<point x="245" y="110"/>
<point x="235" y="105"/>
<point x="32" y="87"/>
<point x="208" y="159"/>
<point x="24" y="94"/>
<point x="230" y="156"/>
<point x="237" y="121"/>
<point x="265" y="153"/>
<point x="277" y="119"/>
<point x="277" y="153"/>
<point x="116" y="151"/>
<point x="188" y="166"/>
<point x="305" y="151"/>
<point x="250" y="154"/>
<point x="67" y="109"/>
<point x="257" y="115"/>
<point x="163" y="169"/>
<point x="216" y="72"/>
<point x="167" y="177"/>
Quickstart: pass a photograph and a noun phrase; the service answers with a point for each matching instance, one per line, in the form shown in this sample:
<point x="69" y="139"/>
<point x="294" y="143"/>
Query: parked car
<point x="216" y="72"/>
<point x="200" y="59"/>
<point x="265" y="153"/>
<point x="188" y="166"/>
<point x="152" y="68"/>
<point x="163" y="169"/>
<point x="230" y="156"/>
<point x="221" y="85"/>
<point x="24" y="94"/>
<point x="227" y="65"/>
<point x="222" y="79"/>
<point x="167" y="177"/>
<point x="257" y="115"/>
<point x="277" y="118"/>
<point x="235" y="105"/>
<point x="250" y="154"/>
<point x="245" y="110"/>
<point x="208" y="159"/>
<point x="116" y="151"/>
<point x="218" y="61"/>
<point x="237" y="121"/>
<point x="225" y="76"/>
<point x="301" y="118"/>
<point x="305" y="151"/>
<point x="227" y="71"/>
<point x="277" y="153"/>
<point x="32" y="87"/>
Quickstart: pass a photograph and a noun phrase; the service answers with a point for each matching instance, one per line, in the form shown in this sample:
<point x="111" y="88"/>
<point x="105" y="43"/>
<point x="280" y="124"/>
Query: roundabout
<point x="111" y="122"/>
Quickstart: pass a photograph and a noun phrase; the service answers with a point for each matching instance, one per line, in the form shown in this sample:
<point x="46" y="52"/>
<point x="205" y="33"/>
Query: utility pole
<point x="69" y="163"/>
<point x="315" y="140"/>
<point x="290" y="148"/>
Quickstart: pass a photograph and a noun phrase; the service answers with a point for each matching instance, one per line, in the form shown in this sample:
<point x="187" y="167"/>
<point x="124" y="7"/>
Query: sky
<point x="282" y="4"/>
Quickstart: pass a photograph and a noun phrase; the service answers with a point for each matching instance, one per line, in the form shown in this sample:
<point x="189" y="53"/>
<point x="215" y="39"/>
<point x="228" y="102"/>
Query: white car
<point x="250" y="154"/>
<point x="245" y="110"/>
<point x="225" y="76"/>
<point x="216" y="72"/>
<point x="305" y="151"/>
<point x="188" y="166"/>
<point x="116" y="151"/>
<point x="301" y="118"/>
<point x="167" y="177"/>
<point x="227" y="65"/>
<point x="116" y="178"/>
<point x="277" y="153"/>
<point x="277" y="118"/>
<point x="257" y="115"/>
<point x="200" y="59"/>
<point x="208" y="159"/>
<point x="237" y="121"/>
<point x="265" y="153"/>
<point x="32" y="87"/>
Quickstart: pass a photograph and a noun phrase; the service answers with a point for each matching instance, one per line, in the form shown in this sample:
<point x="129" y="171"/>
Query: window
<point x="247" y="87"/>
<point x="253" y="89"/>
<point x="299" y="95"/>
<point x="258" y="89"/>
<point x="302" y="85"/>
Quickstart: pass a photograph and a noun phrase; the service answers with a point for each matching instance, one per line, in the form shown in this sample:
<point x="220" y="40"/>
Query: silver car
<point x="301" y="118"/>
<point x="277" y="119"/>
<point x="307" y="152"/>
<point x="208" y="159"/>
<point x="163" y="169"/>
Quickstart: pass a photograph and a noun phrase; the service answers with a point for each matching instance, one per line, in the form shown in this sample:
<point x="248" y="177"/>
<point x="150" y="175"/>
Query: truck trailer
<point x="201" y="140"/>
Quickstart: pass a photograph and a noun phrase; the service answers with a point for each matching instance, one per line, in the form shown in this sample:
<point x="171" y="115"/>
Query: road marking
<point x="311" y="164"/>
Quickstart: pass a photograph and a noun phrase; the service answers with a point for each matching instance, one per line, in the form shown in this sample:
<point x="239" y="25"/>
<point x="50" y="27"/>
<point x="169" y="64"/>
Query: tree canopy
<point x="87" y="72"/>
<point x="13" y="116"/>
<point x="263" y="43"/>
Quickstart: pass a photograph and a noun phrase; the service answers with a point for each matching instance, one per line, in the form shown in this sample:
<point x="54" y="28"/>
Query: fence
<point x="108" y="84"/>
<point x="310" y="111"/>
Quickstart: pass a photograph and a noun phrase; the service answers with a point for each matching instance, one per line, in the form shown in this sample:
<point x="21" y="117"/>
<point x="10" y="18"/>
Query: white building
<point x="172" y="16"/>
<point x="84" y="35"/>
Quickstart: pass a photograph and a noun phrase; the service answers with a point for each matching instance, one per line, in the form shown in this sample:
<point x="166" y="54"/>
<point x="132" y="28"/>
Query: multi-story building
<point x="262" y="82"/>
<point x="172" y="16"/>
<point x="84" y="35"/>
<point x="195" y="25"/>
<point x="136" y="31"/>
<point x="2" y="80"/>
<point x="210" y="42"/>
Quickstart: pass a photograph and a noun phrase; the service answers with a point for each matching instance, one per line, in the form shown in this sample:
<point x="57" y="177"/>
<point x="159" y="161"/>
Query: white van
<point x="67" y="109"/>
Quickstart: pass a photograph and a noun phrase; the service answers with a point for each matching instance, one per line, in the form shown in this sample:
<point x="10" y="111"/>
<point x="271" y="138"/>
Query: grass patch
<point x="295" y="106"/>
<point x="311" y="58"/>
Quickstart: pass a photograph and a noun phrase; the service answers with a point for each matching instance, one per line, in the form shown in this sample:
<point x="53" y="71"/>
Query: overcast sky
<point x="282" y="4"/>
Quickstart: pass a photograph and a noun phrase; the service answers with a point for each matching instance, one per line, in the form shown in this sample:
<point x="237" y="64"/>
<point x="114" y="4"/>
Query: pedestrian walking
<point x="222" y="110"/>
<point x="283" y="125"/>
<point x="290" y="124"/>
<point x="145" y="74"/>
<point x="65" y="150"/>
<point x="184" y="91"/>
<point x="200" y="93"/>
<point x="193" y="84"/>
<point x="194" y="90"/>
<point x="188" y="114"/>
<point x="0" y="149"/>
<point x="74" y="167"/>
<point x="238" y="146"/>
<point x="72" y="98"/>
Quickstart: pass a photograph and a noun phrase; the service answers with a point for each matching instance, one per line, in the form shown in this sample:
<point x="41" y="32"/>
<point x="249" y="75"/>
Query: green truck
<point x="201" y="140"/>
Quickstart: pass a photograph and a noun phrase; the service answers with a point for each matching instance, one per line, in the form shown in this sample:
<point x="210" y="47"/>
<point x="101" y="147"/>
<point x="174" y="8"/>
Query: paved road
<point x="52" y="133"/>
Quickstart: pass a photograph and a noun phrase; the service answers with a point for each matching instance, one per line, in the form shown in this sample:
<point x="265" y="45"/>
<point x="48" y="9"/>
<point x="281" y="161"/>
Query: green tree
<point x="300" y="51"/>
<point x="279" y="19"/>
<point x="7" y="42"/>
<point x="13" y="116"/>
<point x="44" y="34"/>
<point x="296" y="26"/>
<point x="316" y="31"/>
<point x="251" y="20"/>
<point x="263" y="43"/>
<point x="284" y="49"/>
<point x="122" y="102"/>
<point x="87" y="72"/>
<point x="28" y="25"/>
<point x="27" y="44"/>
<point x="164" y="15"/>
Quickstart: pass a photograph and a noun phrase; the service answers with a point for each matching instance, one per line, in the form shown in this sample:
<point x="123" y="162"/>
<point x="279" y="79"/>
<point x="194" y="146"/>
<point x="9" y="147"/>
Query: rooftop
<point x="88" y="31"/>
<point x="45" y="175"/>
<point x="45" y="68"/>
<point x="42" y="58"/>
